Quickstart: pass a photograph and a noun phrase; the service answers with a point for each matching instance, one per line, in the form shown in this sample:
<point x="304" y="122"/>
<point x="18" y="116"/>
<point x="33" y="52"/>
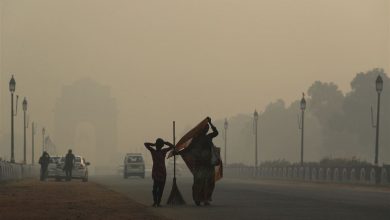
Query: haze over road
<point x="247" y="199"/>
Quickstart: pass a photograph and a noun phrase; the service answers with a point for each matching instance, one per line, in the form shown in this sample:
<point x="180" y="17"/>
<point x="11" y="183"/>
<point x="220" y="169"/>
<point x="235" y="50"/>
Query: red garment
<point x="190" y="155"/>
<point x="159" y="172"/>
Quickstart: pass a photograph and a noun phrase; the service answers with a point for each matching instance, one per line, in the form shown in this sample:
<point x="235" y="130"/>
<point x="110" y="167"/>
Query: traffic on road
<point x="66" y="167"/>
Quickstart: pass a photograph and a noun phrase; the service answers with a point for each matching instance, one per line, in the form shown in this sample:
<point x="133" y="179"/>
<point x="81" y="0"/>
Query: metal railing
<point x="355" y="175"/>
<point x="14" y="171"/>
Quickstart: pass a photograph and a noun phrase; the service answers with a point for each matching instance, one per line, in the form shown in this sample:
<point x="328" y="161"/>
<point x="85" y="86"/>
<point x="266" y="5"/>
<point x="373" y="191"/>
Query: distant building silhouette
<point x="86" y="101"/>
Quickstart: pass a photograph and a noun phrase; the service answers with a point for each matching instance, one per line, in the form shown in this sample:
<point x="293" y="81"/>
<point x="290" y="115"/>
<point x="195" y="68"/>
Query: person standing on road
<point x="69" y="163"/>
<point x="159" y="172"/>
<point x="44" y="161"/>
<point x="204" y="172"/>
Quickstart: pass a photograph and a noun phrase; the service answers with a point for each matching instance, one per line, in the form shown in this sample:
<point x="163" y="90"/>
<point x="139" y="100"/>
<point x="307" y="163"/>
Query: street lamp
<point x="32" y="143"/>
<point x="302" y="124"/>
<point x="24" y="128"/>
<point x="256" y="119"/>
<point x="379" y="88"/>
<point x="226" y="127"/>
<point x="12" y="87"/>
<point x="43" y="139"/>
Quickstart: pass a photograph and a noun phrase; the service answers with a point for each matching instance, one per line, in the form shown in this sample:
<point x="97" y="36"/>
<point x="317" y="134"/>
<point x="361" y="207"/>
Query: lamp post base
<point x="175" y="198"/>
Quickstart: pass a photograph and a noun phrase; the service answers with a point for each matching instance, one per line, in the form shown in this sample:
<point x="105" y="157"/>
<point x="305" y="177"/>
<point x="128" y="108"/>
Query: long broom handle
<point x="174" y="155"/>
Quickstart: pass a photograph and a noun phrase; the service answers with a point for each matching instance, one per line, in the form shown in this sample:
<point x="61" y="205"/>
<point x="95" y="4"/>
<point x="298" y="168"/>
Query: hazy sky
<point x="183" y="60"/>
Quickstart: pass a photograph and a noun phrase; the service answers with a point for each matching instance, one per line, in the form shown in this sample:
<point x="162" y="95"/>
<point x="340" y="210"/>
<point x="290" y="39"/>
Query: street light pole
<point x="43" y="139"/>
<point x="12" y="130"/>
<point x="255" y="118"/>
<point x="379" y="88"/>
<point x="32" y="143"/>
<point x="302" y="124"/>
<point x="12" y="86"/>
<point x="24" y="129"/>
<point x="226" y="127"/>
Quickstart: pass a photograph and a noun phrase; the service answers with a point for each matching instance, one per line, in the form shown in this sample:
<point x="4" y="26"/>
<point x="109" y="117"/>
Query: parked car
<point x="52" y="168"/>
<point x="134" y="165"/>
<point x="79" y="171"/>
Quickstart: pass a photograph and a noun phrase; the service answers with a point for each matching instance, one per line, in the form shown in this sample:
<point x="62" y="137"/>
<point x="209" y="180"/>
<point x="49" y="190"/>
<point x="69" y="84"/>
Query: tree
<point x="356" y="109"/>
<point x="326" y="100"/>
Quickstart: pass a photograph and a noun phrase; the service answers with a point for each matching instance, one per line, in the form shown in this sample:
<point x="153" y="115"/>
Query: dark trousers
<point x="158" y="189"/>
<point x="43" y="172"/>
<point x="68" y="173"/>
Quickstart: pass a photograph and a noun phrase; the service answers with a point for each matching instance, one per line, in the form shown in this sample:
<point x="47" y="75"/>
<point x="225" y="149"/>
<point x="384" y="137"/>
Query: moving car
<point x="134" y="165"/>
<point x="79" y="171"/>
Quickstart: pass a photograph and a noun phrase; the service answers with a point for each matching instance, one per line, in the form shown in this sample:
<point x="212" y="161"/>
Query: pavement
<point x="254" y="199"/>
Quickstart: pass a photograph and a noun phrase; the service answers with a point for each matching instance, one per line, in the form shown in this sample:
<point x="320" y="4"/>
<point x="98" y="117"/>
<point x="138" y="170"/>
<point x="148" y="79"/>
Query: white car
<point x="134" y="165"/>
<point x="79" y="171"/>
<point x="52" y="168"/>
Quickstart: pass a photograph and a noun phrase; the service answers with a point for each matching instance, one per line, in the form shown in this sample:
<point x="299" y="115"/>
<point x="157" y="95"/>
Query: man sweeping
<point x="159" y="172"/>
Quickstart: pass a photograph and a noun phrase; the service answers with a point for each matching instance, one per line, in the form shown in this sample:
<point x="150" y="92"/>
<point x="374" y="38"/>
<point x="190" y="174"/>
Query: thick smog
<point x="194" y="109"/>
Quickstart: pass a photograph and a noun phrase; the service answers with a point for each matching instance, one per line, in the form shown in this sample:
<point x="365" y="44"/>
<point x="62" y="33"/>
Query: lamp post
<point x="302" y="123"/>
<point x="256" y="119"/>
<point x="226" y="127"/>
<point x="43" y="139"/>
<point x="12" y="86"/>
<point x="32" y="143"/>
<point x="24" y="129"/>
<point x="379" y="88"/>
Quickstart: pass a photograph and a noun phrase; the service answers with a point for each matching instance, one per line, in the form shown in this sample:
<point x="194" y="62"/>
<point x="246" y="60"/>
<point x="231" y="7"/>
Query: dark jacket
<point x="44" y="160"/>
<point x="69" y="161"/>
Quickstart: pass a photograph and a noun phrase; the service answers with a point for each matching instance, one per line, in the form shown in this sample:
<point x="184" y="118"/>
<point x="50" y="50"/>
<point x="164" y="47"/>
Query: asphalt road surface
<point x="248" y="199"/>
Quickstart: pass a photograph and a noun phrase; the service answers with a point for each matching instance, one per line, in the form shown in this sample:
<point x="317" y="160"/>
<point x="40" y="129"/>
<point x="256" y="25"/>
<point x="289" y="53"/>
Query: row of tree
<point x="337" y="125"/>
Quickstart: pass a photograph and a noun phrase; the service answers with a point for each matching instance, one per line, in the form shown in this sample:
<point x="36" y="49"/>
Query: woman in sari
<point x="204" y="169"/>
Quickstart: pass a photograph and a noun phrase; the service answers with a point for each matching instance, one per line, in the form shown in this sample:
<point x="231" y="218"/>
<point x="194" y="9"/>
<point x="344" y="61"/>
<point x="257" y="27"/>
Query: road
<point x="249" y="199"/>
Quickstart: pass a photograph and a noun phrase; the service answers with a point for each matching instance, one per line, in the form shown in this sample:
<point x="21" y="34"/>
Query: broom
<point x="175" y="198"/>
